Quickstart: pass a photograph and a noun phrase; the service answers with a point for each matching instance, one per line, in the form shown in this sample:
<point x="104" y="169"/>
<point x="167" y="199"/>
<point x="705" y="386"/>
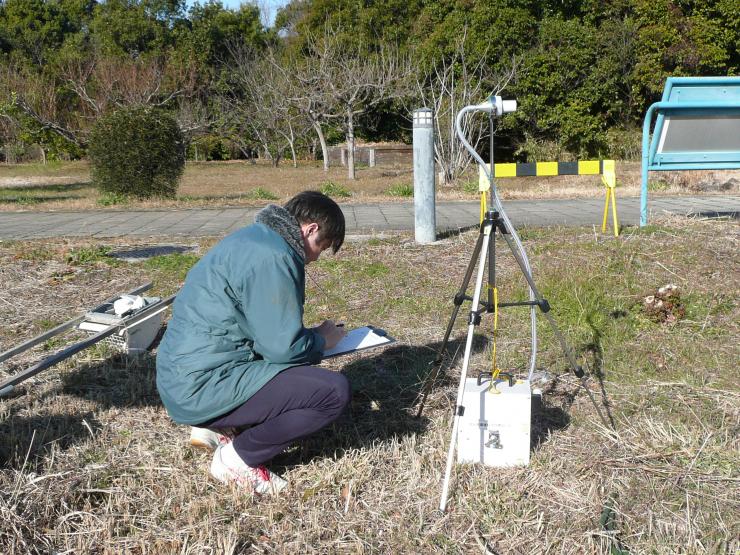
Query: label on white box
<point x="495" y="426"/>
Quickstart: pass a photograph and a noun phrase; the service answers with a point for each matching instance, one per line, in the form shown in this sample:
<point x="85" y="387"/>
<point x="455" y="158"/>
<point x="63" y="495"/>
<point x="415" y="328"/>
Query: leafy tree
<point x="494" y="31"/>
<point x="137" y="152"/>
<point x="212" y="29"/>
<point x="135" y="27"/>
<point x="587" y="69"/>
<point x="33" y="31"/>
<point x="568" y="90"/>
<point x="683" y="38"/>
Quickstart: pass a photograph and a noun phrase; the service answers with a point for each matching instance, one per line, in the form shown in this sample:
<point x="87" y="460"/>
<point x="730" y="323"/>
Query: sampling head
<point x="496" y="105"/>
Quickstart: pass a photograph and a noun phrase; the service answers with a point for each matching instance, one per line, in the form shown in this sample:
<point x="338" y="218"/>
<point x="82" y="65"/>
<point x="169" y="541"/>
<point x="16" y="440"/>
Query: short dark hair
<point x="314" y="207"/>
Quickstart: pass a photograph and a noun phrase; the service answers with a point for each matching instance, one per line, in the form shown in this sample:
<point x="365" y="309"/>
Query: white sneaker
<point x="227" y="467"/>
<point x="203" y="438"/>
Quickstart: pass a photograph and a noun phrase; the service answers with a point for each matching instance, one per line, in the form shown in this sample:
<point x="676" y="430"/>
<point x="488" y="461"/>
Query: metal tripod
<point x="485" y="248"/>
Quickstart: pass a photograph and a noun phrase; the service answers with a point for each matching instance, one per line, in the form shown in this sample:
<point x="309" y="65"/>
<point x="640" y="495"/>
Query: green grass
<point x="400" y="190"/>
<point x="36" y="195"/>
<point x="31" y="251"/>
<point x="52" y="167"/>
<point x="45" y="324"/>
<point x="471" y="187"/>
<point x="260" y="193"/>
<point x="89" y="255"/>
<point x="655" y="186"/>
<point x="23" y="200"/>
<point x="335" y="190"/>
<point x="108" y="198"/>
<point x="388" y="241"/>
<point x="171" y="267"/>
<point x="54" y="344"/>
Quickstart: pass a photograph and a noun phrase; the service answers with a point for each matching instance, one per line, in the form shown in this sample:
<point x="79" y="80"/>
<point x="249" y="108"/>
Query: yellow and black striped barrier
<point x="605" y="168"/>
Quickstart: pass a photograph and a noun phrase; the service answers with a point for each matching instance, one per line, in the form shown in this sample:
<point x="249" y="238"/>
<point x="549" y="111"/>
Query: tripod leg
<point x="473" y="322"/>
<point x="606" y="211"/>
<point x="614" y="214"/>
<point x="577" y="370"/>
<point x="458" y="302"/>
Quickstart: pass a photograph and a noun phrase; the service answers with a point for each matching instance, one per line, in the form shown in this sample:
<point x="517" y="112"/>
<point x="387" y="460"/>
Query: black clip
<point x="484" y="375"/>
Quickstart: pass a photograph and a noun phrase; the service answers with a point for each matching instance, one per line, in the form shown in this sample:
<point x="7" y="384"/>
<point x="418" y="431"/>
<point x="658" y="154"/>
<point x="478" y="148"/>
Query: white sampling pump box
<point x="495" y="426"/>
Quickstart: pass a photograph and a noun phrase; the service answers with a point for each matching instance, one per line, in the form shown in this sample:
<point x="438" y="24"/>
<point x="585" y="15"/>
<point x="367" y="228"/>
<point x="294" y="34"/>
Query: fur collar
<point x="283" y="223"/>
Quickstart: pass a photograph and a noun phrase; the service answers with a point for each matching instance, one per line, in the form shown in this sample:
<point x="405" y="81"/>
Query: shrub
<point x="137" y="152"/>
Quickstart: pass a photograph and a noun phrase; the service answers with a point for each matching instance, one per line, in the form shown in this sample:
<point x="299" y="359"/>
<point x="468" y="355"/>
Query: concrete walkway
<point x="361" y="218"/>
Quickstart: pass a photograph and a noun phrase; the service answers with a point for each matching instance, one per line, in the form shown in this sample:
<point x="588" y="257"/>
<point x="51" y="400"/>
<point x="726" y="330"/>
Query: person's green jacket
<point x="237" y="321"/>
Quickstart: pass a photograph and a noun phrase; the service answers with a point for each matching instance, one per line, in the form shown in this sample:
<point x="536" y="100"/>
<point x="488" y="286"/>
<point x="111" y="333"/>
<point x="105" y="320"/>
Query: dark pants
<point x="293" y="404"/>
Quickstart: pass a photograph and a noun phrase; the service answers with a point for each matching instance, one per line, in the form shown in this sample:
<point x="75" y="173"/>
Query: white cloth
<point x="127" y="303"/>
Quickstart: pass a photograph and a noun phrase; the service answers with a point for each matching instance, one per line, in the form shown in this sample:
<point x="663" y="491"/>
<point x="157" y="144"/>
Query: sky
<point x="268" y="7"/>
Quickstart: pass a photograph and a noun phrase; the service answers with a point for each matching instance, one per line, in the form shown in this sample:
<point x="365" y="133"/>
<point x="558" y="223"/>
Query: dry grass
<point x="66" y="186"/>
<point x="92" y="464"/>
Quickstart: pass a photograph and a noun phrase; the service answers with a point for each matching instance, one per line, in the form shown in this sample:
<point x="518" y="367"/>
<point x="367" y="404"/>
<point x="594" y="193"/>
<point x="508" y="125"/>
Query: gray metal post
<point x="424" y="202"/>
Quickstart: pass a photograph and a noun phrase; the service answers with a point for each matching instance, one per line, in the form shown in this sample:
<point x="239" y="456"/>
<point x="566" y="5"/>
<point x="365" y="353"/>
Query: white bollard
<point x="424" y="182"/>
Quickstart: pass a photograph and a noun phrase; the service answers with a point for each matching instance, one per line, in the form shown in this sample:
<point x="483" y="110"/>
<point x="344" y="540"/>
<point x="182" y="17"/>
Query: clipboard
<point x="359" y="339"/>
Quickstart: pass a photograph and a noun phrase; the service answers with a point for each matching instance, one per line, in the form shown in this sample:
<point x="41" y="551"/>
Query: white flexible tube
<point x="507" y="222"/>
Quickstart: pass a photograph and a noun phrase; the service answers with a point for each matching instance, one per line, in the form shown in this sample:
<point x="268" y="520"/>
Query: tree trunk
<point x="291" y="140"/>
<point x="275" y="158"/>
<point x="350" y="145"/>
<point x="292" y="153"/>
<point x="324" y="148"/>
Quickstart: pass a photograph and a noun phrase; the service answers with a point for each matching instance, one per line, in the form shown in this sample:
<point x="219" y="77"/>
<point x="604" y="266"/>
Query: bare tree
<point x="258" y="103"/>
<point x="106" y="83"/>
<point x="342" y="83"/>
<point x="29" y="101"/>
<point x="100" y="84"/>
<point x="448" y="85"/>
<point x="304" y="91"/>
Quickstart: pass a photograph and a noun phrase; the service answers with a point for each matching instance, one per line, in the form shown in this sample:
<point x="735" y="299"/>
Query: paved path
<point x="361" y="218"/>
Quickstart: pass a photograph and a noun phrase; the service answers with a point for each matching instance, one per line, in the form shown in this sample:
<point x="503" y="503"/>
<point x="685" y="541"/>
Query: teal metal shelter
<point x="697" y="127"/>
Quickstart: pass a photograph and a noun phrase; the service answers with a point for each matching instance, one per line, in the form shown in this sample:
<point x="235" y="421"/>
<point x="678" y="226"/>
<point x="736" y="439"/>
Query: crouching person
<point x="236" y="355"/>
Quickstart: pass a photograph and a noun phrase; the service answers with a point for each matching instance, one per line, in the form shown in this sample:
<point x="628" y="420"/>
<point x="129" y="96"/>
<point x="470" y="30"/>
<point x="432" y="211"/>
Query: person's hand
<point x="331" y="333"/>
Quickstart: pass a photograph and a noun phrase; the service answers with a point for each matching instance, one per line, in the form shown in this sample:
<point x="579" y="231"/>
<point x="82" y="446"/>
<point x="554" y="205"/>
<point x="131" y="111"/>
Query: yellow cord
<point x="494" y="367"/>
<point x="482" y="206"/>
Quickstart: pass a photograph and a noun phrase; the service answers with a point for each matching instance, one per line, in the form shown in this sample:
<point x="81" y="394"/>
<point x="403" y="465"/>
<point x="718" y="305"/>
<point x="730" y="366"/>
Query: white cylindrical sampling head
<point x="502" y="106"/>
<point x="496" y="105"/>
<point x="508" y="106"/>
